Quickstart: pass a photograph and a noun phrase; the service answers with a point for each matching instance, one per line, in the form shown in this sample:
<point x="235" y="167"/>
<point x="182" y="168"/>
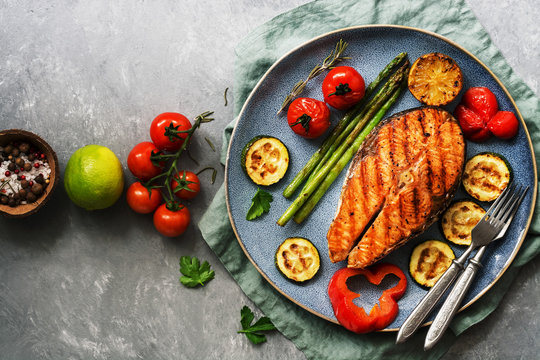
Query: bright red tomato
<point x="473" y="126"/>
<point x="308" y="117"/>
<point x="343" y="87"/>
<point x="140" y="201"/>
<point x="169" y="120"/>
<point x="504" y="125"/>
<point x="188" y="184"/>
<point x="171" y="223"/>
<point x="482" y="101"/>
<point x="139" y="162"/>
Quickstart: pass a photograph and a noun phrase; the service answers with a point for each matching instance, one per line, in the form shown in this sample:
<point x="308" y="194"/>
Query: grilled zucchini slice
<point x="297" y="259"/>
<point x="486" y="175"/>
<point x="459" y="219"/>
<point x="265" y="160"/>
<point x="435" y="79"/>
<point x="429" y="260"/>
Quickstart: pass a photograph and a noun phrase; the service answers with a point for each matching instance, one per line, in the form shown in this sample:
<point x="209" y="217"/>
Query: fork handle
<point x="453" y="301"/>
<point x="423" y="309"/>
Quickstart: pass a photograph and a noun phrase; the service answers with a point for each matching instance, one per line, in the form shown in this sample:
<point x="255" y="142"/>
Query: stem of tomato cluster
<point x="202" y="118"/>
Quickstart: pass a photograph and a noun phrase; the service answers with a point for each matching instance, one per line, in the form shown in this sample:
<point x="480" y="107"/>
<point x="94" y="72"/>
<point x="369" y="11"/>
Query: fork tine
<point x="508" y="202"/>
<point x="512" y="213"/>
<point x="499" y="202"/>
<point x="519" y="198"/>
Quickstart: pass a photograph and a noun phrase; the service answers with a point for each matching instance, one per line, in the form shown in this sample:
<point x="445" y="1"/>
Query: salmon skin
<point x="400" y="180"/>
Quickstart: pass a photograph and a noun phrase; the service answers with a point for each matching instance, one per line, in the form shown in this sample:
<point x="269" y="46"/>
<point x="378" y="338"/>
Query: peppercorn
<point x="16" y="196"/>
<point x="30" y="197"/>
<point x="31" y="157"/>
<point x="39" y="179"/>
<point x="27" y="167"/>
<point x="19" y="162"/>
<point x="12" y="202"/>
<point x="4" y="200"/>
<point x="12" y="166"/>
<point x="8" y="149"/>
<point x="15" y="152"/>
<point x="37" y="189"/>
<point x="36" y="165"/>
<point x="24" y="147"/>
<point x="24" y="184"/>
<point x="22" y="193"/>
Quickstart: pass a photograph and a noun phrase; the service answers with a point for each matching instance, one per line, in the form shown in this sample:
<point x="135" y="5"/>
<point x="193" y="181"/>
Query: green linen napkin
<point x="317" y="338"/>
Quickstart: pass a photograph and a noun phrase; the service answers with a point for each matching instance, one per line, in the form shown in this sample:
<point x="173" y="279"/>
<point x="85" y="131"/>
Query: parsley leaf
<point x="259" y="204"/>
<point x="194" y="273"/>
<point x="253" y="331"/>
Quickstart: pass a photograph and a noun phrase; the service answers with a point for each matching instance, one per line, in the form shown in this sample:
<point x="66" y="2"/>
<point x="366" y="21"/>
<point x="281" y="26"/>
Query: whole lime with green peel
<point x="94" y="178"/>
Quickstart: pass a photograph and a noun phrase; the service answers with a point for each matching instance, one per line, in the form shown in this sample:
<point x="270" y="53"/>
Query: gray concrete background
<point x="104" y="285"/>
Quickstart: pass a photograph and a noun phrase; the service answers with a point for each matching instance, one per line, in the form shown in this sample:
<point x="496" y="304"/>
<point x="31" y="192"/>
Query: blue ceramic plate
<point x="371" y="48"/>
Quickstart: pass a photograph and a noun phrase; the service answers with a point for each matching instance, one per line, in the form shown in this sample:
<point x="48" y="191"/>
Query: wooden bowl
<point x="22" y="210"/>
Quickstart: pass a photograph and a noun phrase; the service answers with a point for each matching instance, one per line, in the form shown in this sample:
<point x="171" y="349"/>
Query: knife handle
<point x="452" y="302"/>
<point x="423" y="309"/>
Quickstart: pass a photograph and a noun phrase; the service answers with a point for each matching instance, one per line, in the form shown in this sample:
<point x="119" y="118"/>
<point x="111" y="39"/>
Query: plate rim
<point x="383" y="26"/>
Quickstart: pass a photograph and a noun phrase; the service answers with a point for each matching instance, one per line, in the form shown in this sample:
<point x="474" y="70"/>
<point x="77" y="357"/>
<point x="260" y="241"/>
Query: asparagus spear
<point x="306" y="209"/>
<point x="318" y="179"/>
<point x="320" y="153"/>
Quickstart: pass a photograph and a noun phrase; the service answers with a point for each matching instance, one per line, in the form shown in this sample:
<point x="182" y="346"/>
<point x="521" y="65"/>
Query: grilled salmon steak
<point x="401" y="179"/>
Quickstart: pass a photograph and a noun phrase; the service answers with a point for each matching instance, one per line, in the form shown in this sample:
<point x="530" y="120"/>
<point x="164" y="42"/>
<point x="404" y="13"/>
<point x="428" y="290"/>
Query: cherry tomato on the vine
<point x="185" y="185"/>
<point x="343" y="87"/>
<point x="162" y="131"/>
<point x="308" y="117"/>
<point x="504" y="125"/>
<point x="140" y="200"/>
<point x="139" y="162"/>
<point x="171" y="223"/>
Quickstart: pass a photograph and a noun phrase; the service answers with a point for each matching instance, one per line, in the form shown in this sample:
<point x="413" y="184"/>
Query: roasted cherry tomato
<point x="139" y="162"/>
<point x="171" y="223"/>
<point x="473" y="126"/>
<point x="163" y="131"/>
<point x="140" y="200"/>
<point x="343" y="87"/>
<point x="482" y="101"/>
<point x="504" y="125"/>
<point x="308" y="117"/>
<point x="185" y="185"/>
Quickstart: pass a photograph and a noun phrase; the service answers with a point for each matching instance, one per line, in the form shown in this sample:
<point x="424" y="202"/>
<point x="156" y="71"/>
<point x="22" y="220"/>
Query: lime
<point x="93" y="178"/>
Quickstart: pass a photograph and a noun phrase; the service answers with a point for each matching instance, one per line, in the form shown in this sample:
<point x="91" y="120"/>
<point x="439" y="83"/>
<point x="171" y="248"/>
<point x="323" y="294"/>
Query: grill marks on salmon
<point x="402" y="177"/>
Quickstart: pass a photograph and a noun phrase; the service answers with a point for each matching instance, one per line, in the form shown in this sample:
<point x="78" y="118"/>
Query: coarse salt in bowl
<point x="48" y="169"/>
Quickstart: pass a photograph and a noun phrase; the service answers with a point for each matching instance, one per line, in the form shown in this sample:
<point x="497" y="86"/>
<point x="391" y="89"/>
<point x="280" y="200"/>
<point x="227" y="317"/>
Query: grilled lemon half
<point x="435" y="79"/>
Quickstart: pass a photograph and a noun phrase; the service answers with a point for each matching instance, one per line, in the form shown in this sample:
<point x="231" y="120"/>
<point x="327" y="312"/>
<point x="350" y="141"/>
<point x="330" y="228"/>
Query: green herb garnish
<point x="194" y="273"/>
<point x="260" y="204"/>
<point x="253" y="331"/>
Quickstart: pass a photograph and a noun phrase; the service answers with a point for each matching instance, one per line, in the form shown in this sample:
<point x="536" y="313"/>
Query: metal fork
<point x="426" y="305"/>
<point x="497" y="219"/>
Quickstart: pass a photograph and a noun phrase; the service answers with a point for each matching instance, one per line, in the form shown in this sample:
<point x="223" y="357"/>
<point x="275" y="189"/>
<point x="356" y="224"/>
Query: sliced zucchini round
<point x="297" y="259"/>
<point x="265" y="160"/>
<point x="459" y="219"/>
<point x="435" y="79"/>
<point x="429" y="260"/>
<point x="486" y="175"/>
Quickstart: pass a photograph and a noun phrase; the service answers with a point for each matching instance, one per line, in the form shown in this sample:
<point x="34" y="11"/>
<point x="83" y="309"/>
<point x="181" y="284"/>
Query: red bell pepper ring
<point x="354" y="318"/>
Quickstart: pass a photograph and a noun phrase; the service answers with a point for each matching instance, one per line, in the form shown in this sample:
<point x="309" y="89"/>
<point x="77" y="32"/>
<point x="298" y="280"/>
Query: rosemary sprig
<point x="210" y="144"/>
<point x="158" y="158"/>
<point x="328" y="63"/>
